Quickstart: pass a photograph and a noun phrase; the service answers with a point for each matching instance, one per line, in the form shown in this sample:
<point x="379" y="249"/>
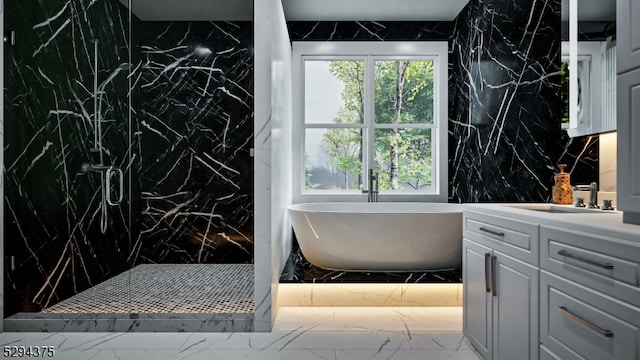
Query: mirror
<point x="594" y="110"/>
<point x="588" y="68"/>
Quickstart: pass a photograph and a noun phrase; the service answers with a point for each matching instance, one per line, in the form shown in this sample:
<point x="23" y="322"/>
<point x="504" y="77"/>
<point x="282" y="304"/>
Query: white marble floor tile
<point x="124" y="341"/>
<point x="398" y="354"/>
<point x="331" y="333"/>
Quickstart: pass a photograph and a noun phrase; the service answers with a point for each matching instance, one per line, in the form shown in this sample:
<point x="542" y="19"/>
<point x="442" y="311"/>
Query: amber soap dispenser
<point x="562" y="193"/>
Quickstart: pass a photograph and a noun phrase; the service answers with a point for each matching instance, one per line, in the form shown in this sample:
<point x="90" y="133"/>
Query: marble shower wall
<point x="52" y="239"/>
<point x="505" y="121"/>
<point x="195" y="127"/>
<point x="190" y="194"/>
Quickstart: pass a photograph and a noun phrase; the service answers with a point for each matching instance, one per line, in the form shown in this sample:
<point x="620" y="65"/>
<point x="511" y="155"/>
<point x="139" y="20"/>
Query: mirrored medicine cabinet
<point x="595" y="109"/>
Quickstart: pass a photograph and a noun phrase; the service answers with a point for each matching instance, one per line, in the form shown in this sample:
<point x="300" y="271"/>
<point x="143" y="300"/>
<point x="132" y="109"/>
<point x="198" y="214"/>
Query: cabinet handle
<point x="487" y="285"/>
<point x="586" y="323"/>
<point x="494" y="261"/>
<point x="492" y="232"/>
<point x="585" y="260"/>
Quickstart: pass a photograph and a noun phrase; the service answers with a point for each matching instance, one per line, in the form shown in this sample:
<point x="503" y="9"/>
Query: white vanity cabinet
<point x="627" y="35"/>
<point x="548" y="286"/>
<point x="500" y="278"/>
<point x="629" y="145"/>
<point x="589" y="296"/>
<point x="628" y="105"/>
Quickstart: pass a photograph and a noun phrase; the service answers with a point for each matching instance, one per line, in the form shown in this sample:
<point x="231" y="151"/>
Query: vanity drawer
<point x="578" y="323"/>
<point x="605" y="264"/>
<point x="511" y="237"/>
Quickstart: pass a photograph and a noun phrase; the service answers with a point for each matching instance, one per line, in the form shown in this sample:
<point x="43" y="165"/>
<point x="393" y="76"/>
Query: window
<point x="361" y="106"/>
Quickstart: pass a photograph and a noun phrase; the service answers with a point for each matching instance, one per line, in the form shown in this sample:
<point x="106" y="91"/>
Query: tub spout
<point x="373" y="186"/>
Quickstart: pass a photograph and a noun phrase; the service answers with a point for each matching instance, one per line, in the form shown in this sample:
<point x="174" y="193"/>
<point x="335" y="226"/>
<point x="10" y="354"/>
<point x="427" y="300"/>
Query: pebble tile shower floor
<point x="168" y="288"/>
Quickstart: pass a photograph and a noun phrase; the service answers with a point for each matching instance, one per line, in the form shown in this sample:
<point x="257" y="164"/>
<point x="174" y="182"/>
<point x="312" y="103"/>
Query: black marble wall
<point x="196" y="126"/>
<point x="505" y="123"/>
<point x="185" y="153"/>
<point x="369" y="30"/>
<point x="52" y="238"/>
<point x="504" y="114"/>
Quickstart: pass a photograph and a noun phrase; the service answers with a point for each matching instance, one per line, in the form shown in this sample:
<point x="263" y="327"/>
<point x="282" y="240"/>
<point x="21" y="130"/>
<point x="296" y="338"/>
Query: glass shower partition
<point x="128" y="178"/>
<point x="68" y="166"/>
<point x="193" y="92"/>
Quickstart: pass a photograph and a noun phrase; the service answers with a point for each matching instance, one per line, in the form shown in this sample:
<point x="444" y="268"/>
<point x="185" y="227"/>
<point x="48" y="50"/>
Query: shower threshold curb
<point x="39" y="322"/>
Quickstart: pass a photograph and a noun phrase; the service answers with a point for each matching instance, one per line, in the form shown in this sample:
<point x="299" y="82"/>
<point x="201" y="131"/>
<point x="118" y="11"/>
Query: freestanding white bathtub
<point x="379" y="236"/>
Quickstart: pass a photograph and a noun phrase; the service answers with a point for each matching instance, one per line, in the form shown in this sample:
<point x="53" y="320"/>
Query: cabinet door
<point x="629" y="144"/>
<point x="477" y="296"/>
<point x="515" y="309"/>
<point x="628" y="35"/>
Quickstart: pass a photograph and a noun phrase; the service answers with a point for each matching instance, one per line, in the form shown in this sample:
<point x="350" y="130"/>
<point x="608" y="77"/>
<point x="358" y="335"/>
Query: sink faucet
<point x="593" y="193"/>
<point x="373" y="187"/>
<point x="593" y="196"/>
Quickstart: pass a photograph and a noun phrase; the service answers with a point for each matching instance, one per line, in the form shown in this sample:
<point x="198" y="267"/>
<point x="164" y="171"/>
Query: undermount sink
<point x="560" y="209"/>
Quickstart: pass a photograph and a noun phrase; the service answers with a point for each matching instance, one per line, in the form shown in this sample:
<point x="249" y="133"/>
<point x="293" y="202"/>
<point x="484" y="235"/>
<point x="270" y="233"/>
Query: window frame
<point x="436" y="51"/>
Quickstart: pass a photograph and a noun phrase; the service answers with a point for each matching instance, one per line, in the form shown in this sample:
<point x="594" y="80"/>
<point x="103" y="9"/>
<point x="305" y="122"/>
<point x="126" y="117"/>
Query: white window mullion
<point x="406" y="126"/>
<point x="369" y="86"/>
<point x="333" y="126"/>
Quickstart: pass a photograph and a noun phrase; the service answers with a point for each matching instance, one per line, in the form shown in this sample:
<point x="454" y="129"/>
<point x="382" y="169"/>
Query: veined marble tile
<point x="299" y="270"/>
<point x="432" y="295"/>
<point x="182" y="137"/>
<point x="52" y="208"/>
<point x="299" y="333"/>
<point x="446" y="340"/>
<point x="30" y="322"/>
<point x="271" y="354"/>
<point x="370" y="318"/>
<point x="369" y="30"/>
<point x="327" y="294"/>
<point x="400" y="354"/>
<point x="195" y="116"/>
<point x="505" y="112"/>
<point x="340" y="294"/>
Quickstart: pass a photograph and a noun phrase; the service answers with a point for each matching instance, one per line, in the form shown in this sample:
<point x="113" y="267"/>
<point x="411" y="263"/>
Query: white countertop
<point x="594" y="222"/>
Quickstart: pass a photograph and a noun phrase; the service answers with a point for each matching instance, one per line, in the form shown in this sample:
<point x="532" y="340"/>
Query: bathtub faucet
<point x="373" y="187"/>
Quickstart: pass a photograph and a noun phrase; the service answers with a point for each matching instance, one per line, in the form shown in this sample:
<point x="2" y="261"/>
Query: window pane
<point x="403" y="158"/>
<point x="333" y="92"/>
<point x="404" y="92"/>
<point x="333" y="159"/>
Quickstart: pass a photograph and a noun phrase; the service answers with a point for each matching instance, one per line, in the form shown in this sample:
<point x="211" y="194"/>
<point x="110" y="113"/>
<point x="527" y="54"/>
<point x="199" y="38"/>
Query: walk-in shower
<point x="128" y="179"/>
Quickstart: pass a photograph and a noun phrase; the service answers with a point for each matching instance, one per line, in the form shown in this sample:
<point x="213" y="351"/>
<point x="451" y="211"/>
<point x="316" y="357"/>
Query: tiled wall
<point x="185" y="155"/>
<point x="53" y="244"/>
<point x="504" y="118"/>
<point x="195" y="123"/>
<point x="369" y="30"/>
